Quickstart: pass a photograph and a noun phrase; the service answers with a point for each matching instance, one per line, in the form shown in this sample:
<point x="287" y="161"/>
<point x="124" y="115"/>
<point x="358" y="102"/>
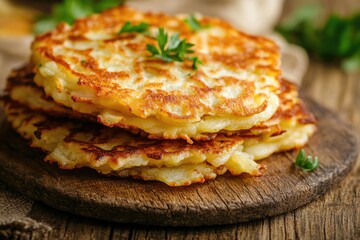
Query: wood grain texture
<point x="335" y="215"/>
<point x="226" y="200"/>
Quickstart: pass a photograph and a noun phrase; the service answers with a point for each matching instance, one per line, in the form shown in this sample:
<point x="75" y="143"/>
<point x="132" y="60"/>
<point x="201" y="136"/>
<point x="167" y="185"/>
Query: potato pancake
<point x="22" y="89"/>
<point x="74" y="144"/>
<point x="93" y="69"/>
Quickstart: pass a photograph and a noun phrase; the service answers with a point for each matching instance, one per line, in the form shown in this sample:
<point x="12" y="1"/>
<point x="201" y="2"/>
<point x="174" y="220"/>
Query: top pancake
<point x="94" y="70"/>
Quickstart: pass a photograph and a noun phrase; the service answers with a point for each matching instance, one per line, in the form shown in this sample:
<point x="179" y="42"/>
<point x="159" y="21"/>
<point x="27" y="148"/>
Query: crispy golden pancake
<point x="22" y="89"/>
<point x="73" y="144"/>
<point x="92" y="69"/>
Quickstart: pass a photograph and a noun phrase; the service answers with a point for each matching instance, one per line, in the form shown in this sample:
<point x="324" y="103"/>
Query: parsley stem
<point x="306" y="162"/>
<point x="172" y="49"/>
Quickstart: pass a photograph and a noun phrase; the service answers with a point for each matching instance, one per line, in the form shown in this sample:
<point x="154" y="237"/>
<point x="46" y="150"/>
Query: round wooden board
<point x="225" y="200"/>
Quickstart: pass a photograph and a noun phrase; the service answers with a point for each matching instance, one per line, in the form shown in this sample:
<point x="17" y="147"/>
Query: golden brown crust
<point x="291" y="108"/>
<point x="74" y="144"/>
<point x="133" y="145"/>
<point x="21" y="80"/>
<point x="291" y="105"/>
<point x="153" y="94"/>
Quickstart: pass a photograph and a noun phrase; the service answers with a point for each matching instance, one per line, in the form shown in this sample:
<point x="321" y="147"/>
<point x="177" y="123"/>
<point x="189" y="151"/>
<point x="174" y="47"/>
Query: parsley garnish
<point x="336" y="39"/>
<point x="195" y="61"/>
<point x="174" y="50"/>
<point x="306" y="163"/>
<point x="193" y="23"/>
<point x="129" y="28"/>
<point x="69" y="10"/>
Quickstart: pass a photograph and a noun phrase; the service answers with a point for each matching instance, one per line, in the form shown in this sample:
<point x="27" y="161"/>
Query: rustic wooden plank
<point x="70" y="226"/>
<point x="121" y="231"/>
<point x="56" y="219"/>
<point x="335" y="215"/>
<point x="86" y="229"/>
<point x="254" y="230"/>
<point x="327" y="220"/>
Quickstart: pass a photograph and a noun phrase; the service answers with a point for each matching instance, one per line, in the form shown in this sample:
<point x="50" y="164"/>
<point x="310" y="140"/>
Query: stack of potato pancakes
<point x="95" y="96"/>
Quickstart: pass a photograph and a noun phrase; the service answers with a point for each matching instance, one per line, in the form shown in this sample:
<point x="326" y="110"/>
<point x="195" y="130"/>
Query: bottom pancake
<point x="74" y="144"/>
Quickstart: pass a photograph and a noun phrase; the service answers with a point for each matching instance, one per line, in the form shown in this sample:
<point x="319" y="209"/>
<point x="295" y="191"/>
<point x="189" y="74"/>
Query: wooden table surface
<point x="335" y="215"/>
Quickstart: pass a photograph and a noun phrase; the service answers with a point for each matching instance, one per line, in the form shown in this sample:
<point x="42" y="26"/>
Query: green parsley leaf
<point x="306" y="163"/>
<point x="70" y="10"/>
<point x="337" y="39"/>
<point x="195" y="61"/>
<point x="173" y="50"/>
<point x="129" y="28"/>
<point x="193" y="23"/>
<point x="102" y="5"/>
<point x="152" y="49"/>
<point x="162" y="39"/>
<point x="300" y="158"/>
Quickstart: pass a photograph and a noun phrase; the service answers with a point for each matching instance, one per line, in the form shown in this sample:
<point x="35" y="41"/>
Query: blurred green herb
<point x="193" y="23"/>
<point x="174" y="50"/>
<point x="196" y="61"/>
<point x="129" y="28"/>
<point x="306" y="163"/>
<point x="336" y="39"/>
<point x="69" y="10"/>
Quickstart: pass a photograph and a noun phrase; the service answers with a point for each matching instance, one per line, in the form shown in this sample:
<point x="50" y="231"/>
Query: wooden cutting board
<point x="225" y="200"/>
